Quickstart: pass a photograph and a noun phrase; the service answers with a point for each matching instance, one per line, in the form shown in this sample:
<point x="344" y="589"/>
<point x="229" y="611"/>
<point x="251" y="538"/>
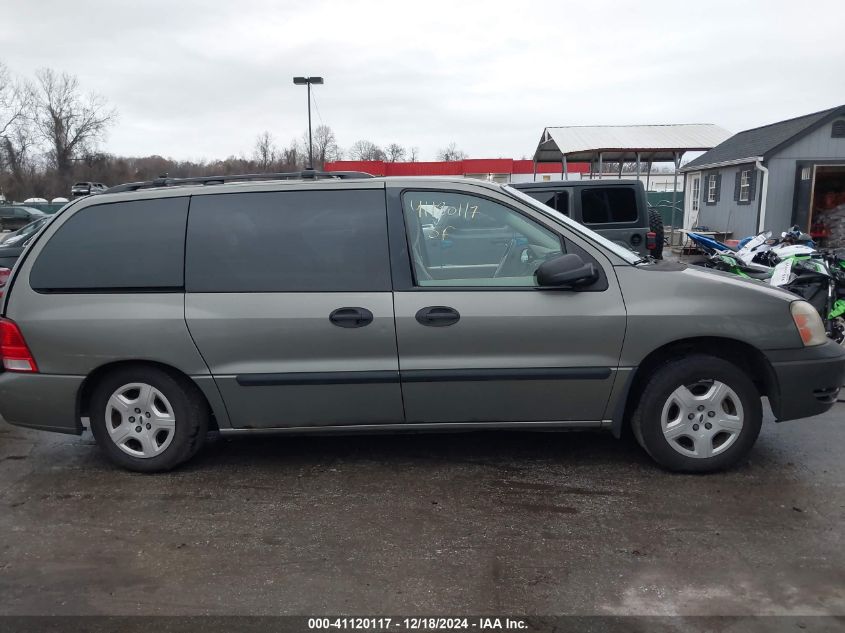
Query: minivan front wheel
<point x="146" y="419"/>
<point x="698" y="414"/>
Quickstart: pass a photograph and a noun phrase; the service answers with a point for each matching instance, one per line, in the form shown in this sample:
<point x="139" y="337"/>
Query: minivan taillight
<point x="13" y="348"/>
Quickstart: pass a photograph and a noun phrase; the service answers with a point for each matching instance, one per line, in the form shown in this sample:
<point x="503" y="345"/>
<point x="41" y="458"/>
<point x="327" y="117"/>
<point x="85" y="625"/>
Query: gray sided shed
<point x="783" y="159"/>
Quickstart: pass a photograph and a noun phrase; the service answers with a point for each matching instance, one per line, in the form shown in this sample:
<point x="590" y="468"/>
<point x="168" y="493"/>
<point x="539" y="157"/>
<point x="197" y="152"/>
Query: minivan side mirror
<point x="566" y="271"/>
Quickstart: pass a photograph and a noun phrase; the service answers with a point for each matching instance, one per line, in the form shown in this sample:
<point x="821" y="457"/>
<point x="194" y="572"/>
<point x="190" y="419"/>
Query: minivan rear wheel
<point x="147" y="419"/>
<point x="698" y="414"/>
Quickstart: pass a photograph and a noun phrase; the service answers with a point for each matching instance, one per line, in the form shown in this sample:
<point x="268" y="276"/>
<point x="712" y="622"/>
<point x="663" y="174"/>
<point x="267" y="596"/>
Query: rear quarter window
<point x="608" y="205"/>
<point x="123" y="245"/>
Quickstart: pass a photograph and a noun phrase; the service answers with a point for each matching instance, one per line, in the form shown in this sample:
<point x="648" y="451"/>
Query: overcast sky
<point x="202" y="79"/>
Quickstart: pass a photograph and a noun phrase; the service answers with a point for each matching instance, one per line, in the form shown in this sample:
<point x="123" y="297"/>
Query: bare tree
<point x="451" y="153"/>
<point x="17" y="165"/>
<point x="15" y="102"/>
<point x="16" y="134"/>
<point x="265" y="153"/>
<point x="68" y="122"/>
<point x="366" y="150"/>
<point x="395" y="153"/>
<point x="293" y="157"/>
<point x="413" y="154"/>
<point x="325" y="146"/>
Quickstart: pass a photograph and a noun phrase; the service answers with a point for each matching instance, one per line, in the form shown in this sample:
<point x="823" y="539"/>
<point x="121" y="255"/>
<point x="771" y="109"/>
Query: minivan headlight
<point x="808" y="322"/>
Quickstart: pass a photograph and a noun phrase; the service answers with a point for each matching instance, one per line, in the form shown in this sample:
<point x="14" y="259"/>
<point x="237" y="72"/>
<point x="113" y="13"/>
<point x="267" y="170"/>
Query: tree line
<point x="326" y="150"/>
<point x="52" y="131"/>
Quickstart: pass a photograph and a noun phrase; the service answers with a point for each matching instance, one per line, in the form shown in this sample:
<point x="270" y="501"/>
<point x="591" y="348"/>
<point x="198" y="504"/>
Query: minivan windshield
<point x="629" y="256"/>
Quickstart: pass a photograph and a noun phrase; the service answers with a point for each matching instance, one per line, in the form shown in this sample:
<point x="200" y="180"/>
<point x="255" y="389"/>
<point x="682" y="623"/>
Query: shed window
<point x="744" y="185"/>
<point x="711" y="188"/>
<point x="696" y="192"/>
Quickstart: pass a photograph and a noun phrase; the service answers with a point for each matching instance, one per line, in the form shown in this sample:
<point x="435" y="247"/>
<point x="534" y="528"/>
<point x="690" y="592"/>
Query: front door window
<point x="463" y="240"/>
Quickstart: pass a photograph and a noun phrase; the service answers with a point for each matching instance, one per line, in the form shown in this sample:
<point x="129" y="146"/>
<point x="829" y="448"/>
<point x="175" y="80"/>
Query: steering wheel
<point x="511" y="264"/>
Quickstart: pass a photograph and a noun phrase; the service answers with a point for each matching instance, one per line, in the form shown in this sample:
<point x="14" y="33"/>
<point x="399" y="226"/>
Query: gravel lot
<point x="519" y="523"/>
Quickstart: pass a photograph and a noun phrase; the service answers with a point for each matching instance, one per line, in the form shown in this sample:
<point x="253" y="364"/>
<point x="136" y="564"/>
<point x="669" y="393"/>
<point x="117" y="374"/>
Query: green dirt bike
<point x="818" y="279"/>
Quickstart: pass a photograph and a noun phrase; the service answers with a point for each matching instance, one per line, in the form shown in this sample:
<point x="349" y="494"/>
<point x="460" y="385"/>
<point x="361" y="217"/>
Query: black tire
<point x="655" y="225"/>
<point x="646" y="420"/>
<point x="190" y="411"/>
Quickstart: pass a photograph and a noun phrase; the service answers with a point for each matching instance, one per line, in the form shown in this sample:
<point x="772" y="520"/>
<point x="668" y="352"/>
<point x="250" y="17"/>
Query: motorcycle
<point x="770" y="252"/>
<point x="730" y="263"/>
<point x="760" y="249"/>
<point x="791" y="263"/>
<point x="819" y="281"/>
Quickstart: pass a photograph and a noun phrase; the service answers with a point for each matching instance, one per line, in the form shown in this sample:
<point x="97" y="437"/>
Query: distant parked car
<point x="59" y="200"/>
<point x="9" y="253"/>
<point x="35" y="201"/>
<point x="15" y="237"/>
<point x="86" y="189"/>
<point x="14" y="217"/>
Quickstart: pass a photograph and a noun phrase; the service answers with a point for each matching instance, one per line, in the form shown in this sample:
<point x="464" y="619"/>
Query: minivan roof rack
<point x="306" y="174"/>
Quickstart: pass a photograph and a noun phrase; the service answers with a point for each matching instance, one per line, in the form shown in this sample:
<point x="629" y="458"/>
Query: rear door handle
<point x="351" y="317"/>
<point x="437" y="316"/>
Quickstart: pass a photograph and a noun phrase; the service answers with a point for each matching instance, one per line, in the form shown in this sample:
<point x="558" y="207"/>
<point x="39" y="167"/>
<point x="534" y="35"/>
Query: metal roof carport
<point x="623" y="143"/>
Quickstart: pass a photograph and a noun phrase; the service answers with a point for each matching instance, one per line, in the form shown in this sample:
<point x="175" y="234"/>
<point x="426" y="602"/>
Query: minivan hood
<point x="707" y="275"/>
<point x="699" y="274"/>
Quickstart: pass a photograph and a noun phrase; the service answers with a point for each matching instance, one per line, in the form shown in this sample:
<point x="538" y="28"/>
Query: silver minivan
<point x="162" y="310"/>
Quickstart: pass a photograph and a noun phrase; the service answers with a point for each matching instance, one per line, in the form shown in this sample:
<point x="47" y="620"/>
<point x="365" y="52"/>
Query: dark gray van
<point x="261" y="304"/>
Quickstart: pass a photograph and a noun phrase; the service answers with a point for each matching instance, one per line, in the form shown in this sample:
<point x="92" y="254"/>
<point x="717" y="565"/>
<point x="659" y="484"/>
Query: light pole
<point x="307" y="81"/>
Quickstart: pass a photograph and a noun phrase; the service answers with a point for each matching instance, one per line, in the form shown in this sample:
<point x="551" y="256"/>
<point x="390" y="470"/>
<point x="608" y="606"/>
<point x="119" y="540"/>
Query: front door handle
<point x="437" y="316"/>
<point x="351" y="317"/>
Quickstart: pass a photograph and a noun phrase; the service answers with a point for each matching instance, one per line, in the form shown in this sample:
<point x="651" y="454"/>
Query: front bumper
<point x="807" y="380"/>
<point x="41" y="401"/>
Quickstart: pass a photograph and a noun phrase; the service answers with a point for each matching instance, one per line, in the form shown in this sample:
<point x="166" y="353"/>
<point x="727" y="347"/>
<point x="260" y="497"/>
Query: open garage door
<point x="827" y="208"/>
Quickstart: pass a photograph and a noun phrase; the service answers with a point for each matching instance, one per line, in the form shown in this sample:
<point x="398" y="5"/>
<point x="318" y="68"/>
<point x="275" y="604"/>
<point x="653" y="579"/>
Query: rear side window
<point x="125" y="245"/>
<point x="608" y="205"/>
<point x="292" y="241"/>
<point x="557" y="200"/>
